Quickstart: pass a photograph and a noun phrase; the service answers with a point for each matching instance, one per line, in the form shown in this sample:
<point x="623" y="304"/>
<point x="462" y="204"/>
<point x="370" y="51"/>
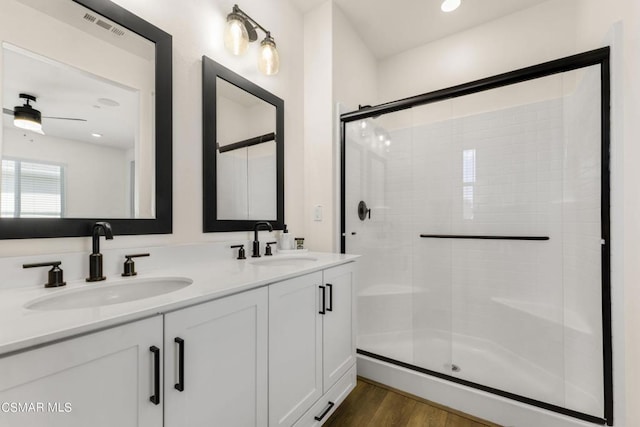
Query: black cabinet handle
<point x="155" y="398"/>
<point x="323" y="310"/>
<point x="180" y="385"/>
<point x="330" y="307"/>
<point x="325" y="412"/>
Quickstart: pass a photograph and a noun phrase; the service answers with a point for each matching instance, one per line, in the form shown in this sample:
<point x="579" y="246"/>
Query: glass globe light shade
<point x="268" y="58"/>
<point x="236" y="38"/>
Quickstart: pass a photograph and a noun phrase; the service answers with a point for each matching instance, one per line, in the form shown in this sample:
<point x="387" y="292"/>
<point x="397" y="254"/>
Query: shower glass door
<point x="482" y="238"/>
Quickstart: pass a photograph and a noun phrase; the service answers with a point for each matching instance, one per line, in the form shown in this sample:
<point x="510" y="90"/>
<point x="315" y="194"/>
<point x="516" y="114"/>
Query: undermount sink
<point x="97" y="295"/>
<point x="284" y="260"/>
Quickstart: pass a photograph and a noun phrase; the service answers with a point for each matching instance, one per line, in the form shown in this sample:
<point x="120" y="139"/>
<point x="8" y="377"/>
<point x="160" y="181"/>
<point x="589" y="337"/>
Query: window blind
<point x="31" y="190"/>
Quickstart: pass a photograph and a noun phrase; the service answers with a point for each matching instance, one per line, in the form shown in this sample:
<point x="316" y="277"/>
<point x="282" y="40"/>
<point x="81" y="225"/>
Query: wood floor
<point x="374" y="405"/>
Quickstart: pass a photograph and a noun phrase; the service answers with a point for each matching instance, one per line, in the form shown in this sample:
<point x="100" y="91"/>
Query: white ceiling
<point x="63" y="91"/>
<point x="390" y="27"/>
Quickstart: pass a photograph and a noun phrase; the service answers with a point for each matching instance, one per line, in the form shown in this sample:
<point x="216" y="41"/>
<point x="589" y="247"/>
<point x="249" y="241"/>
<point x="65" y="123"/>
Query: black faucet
<point x="95" y="259"/>
<point x="256" y="244"/>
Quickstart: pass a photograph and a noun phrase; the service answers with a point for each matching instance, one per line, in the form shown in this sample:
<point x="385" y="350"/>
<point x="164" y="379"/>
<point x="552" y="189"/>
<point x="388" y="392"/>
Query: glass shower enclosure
<point x="481" y="213"/>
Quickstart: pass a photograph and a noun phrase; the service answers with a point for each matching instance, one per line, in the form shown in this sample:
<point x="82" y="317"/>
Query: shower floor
<point x="478" y="361"/>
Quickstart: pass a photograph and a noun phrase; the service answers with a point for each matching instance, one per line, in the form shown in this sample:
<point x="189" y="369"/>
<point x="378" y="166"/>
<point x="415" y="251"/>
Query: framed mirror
<point x="243" y="146"/>
<point x="87" y="120"/>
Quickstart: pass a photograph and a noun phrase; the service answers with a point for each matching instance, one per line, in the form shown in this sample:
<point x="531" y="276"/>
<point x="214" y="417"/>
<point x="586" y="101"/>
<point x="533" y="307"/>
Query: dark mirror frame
<point x="211" y="70"/>
<point x="27" y="228"/>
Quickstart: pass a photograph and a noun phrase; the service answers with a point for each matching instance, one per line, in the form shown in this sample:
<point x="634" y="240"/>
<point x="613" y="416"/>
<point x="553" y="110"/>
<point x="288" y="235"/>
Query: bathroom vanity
<point x="239" y="343"/>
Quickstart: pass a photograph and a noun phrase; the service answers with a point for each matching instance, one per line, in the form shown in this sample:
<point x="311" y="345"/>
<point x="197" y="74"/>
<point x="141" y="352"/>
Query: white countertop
<point x="23" y="328"/>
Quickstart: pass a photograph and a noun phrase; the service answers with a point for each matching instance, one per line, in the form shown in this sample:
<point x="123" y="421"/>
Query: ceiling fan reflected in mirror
<point x="28" y="118"/>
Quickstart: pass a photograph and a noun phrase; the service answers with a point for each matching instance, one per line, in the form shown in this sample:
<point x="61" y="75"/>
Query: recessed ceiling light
<point x="96" y="135"/>
<point x="450" y="5"/>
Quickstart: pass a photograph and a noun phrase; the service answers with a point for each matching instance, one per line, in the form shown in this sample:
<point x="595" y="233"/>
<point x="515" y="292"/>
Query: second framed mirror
<point x="243" y="152"/>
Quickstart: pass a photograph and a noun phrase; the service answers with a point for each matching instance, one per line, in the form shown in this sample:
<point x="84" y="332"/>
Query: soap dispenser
<point x="286" y="242"/>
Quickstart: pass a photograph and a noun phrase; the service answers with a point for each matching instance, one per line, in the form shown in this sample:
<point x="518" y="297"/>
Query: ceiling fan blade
<point x="63" y="118"/>
<point x="7" y="111"/>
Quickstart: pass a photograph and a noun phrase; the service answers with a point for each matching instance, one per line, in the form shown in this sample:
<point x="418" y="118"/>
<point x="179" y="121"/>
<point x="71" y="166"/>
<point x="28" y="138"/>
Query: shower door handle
<point x="363" y="211"/>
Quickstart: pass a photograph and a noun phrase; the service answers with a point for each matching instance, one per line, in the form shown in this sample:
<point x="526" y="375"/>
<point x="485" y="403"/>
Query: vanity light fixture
<point x="96" y="135"/>
<point x="241" y="30"/>
<point x="27" y="117"/>
<point x="450" y="5"/>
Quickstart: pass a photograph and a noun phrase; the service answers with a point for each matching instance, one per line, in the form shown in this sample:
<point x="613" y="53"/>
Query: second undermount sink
<point x="97" y="295"/>
<point x="284" y="260"/>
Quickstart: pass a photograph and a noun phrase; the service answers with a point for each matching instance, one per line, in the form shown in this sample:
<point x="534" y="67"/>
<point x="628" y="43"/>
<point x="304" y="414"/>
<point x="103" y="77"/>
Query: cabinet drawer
<point x="323" y="408"/>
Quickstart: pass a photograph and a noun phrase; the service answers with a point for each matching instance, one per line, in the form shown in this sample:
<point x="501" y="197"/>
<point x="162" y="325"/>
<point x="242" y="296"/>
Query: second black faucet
<point x="256" y="244"/>
<point x="95" y="259"/>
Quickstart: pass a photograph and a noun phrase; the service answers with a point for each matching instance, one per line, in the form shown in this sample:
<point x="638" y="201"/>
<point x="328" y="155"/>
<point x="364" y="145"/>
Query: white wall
<point x="626" y="205"/>
<point x="534" y="35"/>
<point x="339" y="68"/>
<point x="318" y="130"/>
<point x="355" y="70"/>
<point x="197" y="28"/>
<point x="101" y="183"/>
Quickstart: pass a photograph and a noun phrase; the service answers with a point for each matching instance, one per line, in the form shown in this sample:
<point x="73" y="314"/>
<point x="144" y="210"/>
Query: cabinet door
<point x="339" y="339"/>
<point x="295" y="348"/>
<point x="224" y="363"/>
<point x="103" y="379"/>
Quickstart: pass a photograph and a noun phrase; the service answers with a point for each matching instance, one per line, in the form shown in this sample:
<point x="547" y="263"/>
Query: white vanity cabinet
<point x="295" y="348"/>
<point x="282" y="354"/>
<point x="216" y="363"/>
<point x="311" y="345"/>
<point x="101" y="379"/>
<point x="338" y="324"/>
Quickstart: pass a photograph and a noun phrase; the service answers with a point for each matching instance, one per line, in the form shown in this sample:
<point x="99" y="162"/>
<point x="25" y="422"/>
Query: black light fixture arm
<point x="240" y="30"/>
<point x="27" y="98"/>
<point x="242" y="13"/>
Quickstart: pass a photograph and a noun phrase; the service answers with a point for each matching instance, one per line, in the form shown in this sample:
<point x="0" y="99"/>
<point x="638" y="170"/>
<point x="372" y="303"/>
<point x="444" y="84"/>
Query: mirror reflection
<point x="246" y="155"/>
<point x="243" y="152"/>
<point x="86" y="149"/>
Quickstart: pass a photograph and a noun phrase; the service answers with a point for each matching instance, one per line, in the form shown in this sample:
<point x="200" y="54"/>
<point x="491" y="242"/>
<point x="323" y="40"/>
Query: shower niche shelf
<point x="567" y="318"/>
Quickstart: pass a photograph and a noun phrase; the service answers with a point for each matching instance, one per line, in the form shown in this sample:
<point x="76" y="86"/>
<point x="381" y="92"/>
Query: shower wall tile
<point x="526" y="170"/>
<point x="513" y="186"/>
<point x="582" y="247"/>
